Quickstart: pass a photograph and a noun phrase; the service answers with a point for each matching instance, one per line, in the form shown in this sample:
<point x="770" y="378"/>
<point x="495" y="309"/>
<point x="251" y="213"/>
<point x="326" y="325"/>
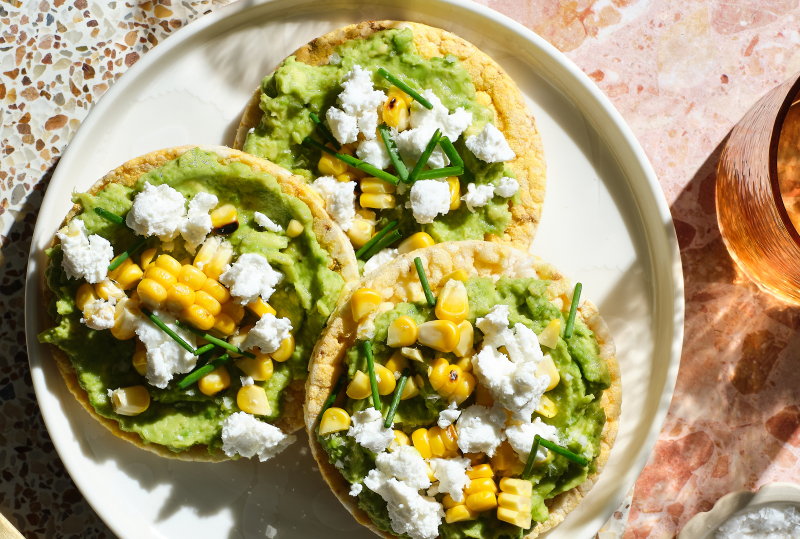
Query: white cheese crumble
<point x="246" y="380"/>
<point x="449" y="415"/>
<point x="340" y="199"/>
<point x="334" y="59"/>
<point x="165" y="357"/>
<point x="480" y="429"/>
<point x="99" y="314"/>
<point x="490" y="145"/>
<point x="268" y="333"/>
<point x="359" y="103"/>
<point x="265" y="222"/>
<point x="411" y="513"/>
<point x="379" y="259"/>
<point x="355" y="489"/>
<point x="764" y="523"/>
<point x="521" y="438"/>
<point x="157" y="211"/>
<point x="507" y="187"/>
<point x="374" y="152"/>
<point x="198" y="222"/>
<point x="428" y="199"/>
<point x="251" y="277"/>
<point x="478" y="197"/>
<point x="406" y="464"/>
<point x="244" y="434"/>
<point x="452" y="476"/>
<point x="367" y="428"/>
<point x="412" y="142"/>
<point x="85" y="257"/>
<point x="343" y="126"/>
<point x="451" y="125"/>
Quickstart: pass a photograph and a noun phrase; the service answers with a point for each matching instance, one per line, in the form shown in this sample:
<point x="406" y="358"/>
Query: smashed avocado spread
<point x="579" y="419"/>
<point x="295" y="90"/>
<point x="182" y="418"/>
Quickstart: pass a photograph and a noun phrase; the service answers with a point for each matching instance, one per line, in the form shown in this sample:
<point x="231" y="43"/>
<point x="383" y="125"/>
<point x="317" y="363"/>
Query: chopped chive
<point x="125" y="254"/>
<point x="353" y="162"/>
<point x="526" y="473"/>
<point x="424" y="280"/>
<point x="335" y="393"/>
<point x="324" y="130"/>
<point x="376" y="238"/>
<point x="440" y="173"/>
<point x="212" y="339"/>
<point x="398" y="392"/>
<point x="573" y="309"/>
<point x="555" y="448"/>
<point x="204" y="349"/>
<point x="403" y="86"/>
<point x="111" y="217"/>
<point x="450" y="152"/>
<point x="157" y="321"/>
<point x="385" y="242"/>
<point x="202" y="371"/>
<point x="376" y="400"/>
<point x="423" y="159"/>
<point x="394" y="156"/>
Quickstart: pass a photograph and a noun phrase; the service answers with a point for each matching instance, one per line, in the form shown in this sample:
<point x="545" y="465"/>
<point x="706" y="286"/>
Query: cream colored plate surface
<point x="605" y="223"/>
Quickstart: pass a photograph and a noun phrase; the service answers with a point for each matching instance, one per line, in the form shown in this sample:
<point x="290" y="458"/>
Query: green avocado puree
<point x="181" y="418"/>
<point x="296" y="89"/>
<point x="580" y="417"/>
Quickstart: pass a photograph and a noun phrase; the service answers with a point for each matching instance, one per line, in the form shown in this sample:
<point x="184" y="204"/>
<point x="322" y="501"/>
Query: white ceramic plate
<point x="605" y="223"/>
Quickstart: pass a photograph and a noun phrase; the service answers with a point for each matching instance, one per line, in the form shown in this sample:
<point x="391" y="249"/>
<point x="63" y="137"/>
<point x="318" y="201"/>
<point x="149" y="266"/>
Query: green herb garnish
<point x="127" y="253"/>
<point x="423" y="159"/>
<point x="332" y="397"/>
<point x="111" y="217"/>
<point x="212" y="339"/>
<point x="383" y="243"/>
<point x="424" y="280"/>
<point x="376" y="238"/>
<point x="398" y="392"/>
<point x="202" y="371"/>
<point x="376" y="400"/>
<point x="324" y="130"/>
<point x="394" y="156"/>
<point x="352" y="161"/>
<point x="157" y="321"/>
<point x="405" y="87"/>
<point x="440" y="173"/>
<point x="573" y="309"/>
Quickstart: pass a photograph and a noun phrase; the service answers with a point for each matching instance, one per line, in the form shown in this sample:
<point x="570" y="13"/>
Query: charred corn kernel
<point x="238" y="339"/>
<point x="223" y="325"/>
<point x="459" y="513"/>
<point x="402" y="332"/>
<point x="449" y="502"/>
<point x="483" y="397"/>
<point x="214" y="382"/>
<point x="130" y="277"/>
<point x="360" y="232"/>
<point x="435" y="441"/>
<point x="333" y="420"/>
<point x="192" y="277"/>
<point x="464" y="387"/>
<point x="455" y="192"/>
<point x="395" y="109"/>
<point x="85" y="295"/>
<point x="330" y="166"/>
<point x="549" y="335"/>
<point x="481" y="501"/>
<point x="294" y="228"/>
<point x="130" y="400"/>
<point x="520" y="487"/>
<point x="147" y="258"/>
<point x="422" y="443"/>
<point x="453" y="302"/>
<point x="481" y="471"/>
<point x="285" y="350"/>
<point x="437" y="373"/>
<point x="207" y="302"/>
<point x="412" y="353"/>
<point x="547" y="367"/>
<point x="253" y="400"/>
<point x="420" y="240"/>
<point x="259" y="307"/>
<point x="441" y="335"/>
<point x="364" y="302"/>
<point x="450" y="438"/>
<point x="514" y="502"/>
<point x="359" y="387"/>
<point x="401" y="438"/>
<point x="216" y="290"/>
<point x="516" y="518"/>
<point x="403" y="97"/>
<point x="397" y="363"/>
<point x="475" y="458"/>
<point x="346" y="177"/>
<point x="119" y="269"/>
<point x="140" y="361"/>
<point x="224" y="215"/>
<point x="466" y="336"/>
<point x="222" y="257"/>
<point x="412" y="388"/>
<point x="179" y="297"/>
<point x="452" y="377"/>
<point x="482" y="484"/>
<point x="260" y="368"/>
<point x="108" y="289"/>
<point x="161" y="276"/>
<point x="126" y="318"/>
<point x="198" y="317"/>
<point x="386" y="380"/>
<point x="546" y="407"/>
<point x="377" y="201"/>
<point x="169" y="264"/>
<point x="151" y="294"/>
<point x="233" y="309"/>
<point x="376" y="186"/>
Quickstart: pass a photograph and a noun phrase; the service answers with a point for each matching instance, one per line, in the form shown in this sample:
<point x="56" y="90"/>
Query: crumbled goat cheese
<point x="334" y="59"/>
<point x="521" y="438"/>
<point x="157" y="211"/>
<point x="382" y="257"/>
<point x="355" y="489"/>
<point x="165" y="357"/>
<point x="198" y="222"/>
<point x="99" y="314"/>
<point x="490" y="145"/>
<point x="764" y="523"/>
<point x="567" y="377"/>
<point x="339" y="464"/>
<point x="367" y="428"/>
<point x="251" y="277"/>
<point x="406" y="464"/>
<point x="244" y="434"/>
<point x="452" y="476"/>
<point x="411" y="513"/>
<point x="478" y="197"/>
<point x="434" y="490"/>
<point x="449" y="415"/>
<point x="268" y="333"/>
<point x="374" y="152"/>
<point x="343" y="126"/>
<point x="359" y="103"/>
<point x="451" y="125"/>
<point x="265" y="222"/>
<point x="428" y="199"/>
<point x="246" y="380"/>
<point x="507" y="187"/>
<point x="480" y="429"/>
<point x="412" y="142"/>
<point x="85" y="257"/>
<point x="340" y="199"/>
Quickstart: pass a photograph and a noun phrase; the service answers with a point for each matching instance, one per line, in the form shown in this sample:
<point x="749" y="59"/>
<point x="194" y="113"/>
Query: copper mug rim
<point x="780" y="118"/>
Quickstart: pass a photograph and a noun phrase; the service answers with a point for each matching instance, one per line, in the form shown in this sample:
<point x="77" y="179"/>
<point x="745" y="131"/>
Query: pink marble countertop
<point x="681" y="72"/>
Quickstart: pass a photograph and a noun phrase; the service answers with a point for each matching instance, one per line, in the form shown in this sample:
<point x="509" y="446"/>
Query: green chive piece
<point x="385" y="242"/>
<point x="440" y="173"/>
<point x="335" y="393"/>
<point x="424" y="280"/>
<point x="526" y="473"/>
<point x="157" y="321"/>
<point x="403" y="86"/>
<point x="212" y="339"/>
<point x="563" y="452"/>
<point x="376" y="238"/>
<point x="376" y="400"/>
<point x="573" y="309"/>
<point x="353" y="162"/>
<point x="394" y="155"/>
<point x="398" y="392"/>
<point x="202" y="371"/>
<point x="423" y="159"/>
<point x="450" y="152"/>
<point x="111" y="217"/>
<point x="202" y="350"/>
<point x="124" y="255"/>
<point x="324" y="130"/>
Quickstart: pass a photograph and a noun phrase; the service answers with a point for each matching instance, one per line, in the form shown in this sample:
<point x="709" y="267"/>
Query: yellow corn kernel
<point x="179" y="297"/>
<point x="449" y="502"/>
<point x="85" y="295"/>
<point x="333" y="420"/>
<point x="441" y="335"/>
<point x="224" y="215"/>
<point x="482" y="484"/>
<point x="465" y="363"/>
<point x="253" y="400"/>
<point x="504" y="458"/>
<point x="168" y="263"/>
<point x="330" y="166"/>
<point x="402" y="332"/>
<point x="450" y="439"/>
<point x="547" y="367"/>
<point x="430" y="473"/>
<point x="412" y="387"/>
<point x="147" y="258"/>
<point x="346" y="177"/>
<point x="364" y="302"/>
<point x="192" y="277"/>
<point x="483" y="397"/>
<point x="412" y="353"/>
<point x="455" y="192"/>
<point x="186" y="261"/>
<point x="215" y="381"/>
<point x="437" y="373"/>
<point x="113" y="274"/>
<point x="435" y="441"/>
<point x="420" y="240"/>
<point x="216" y="290"/>
<point x="452" y="378"/>
<point x="376" y="186"/>
<point x="546" y="407"/>
<point x="140" y="361"/>
<point x="222" y="257"/>
<point x="480" y="471"/>
<point x="207" y="302"/>
<point x="233" y="309"/>
<point x="475" y="458"/>
<point x="151" y="294"/>
<point x="198" y="317"/>
<point x="481" y="501"/>
<point x="453" y="302"/>
<point x="238" y="339"/>
<point x="466" y="337"/>
<point x="360" y="232"/>
<point x="223" y="325"/>
<point x="129" y="277"/>
<point x="401" y="438"/>
<point x="464" y="386"/>
<point x="259" y="369"/>
<point x="367" y="215"/>
<point x="359" y="387"/>
<point x="206" y="252"/>
<point x="139" y="345"/>
<point x="294" y="228"/>
<point x="260" y="308"/>
<point x="161" y="276"/>
<point x="459" y="513"/>
<point x="285" y="350"/>
<point x="395" y="110"/>
<point x="126" y="318"/>
<point x="520" y="487"/>
<point x="549" y="335"/>
<point x="397" y="363"/>
<point x="108" y="289"/>
<point x="130" y="400"/>
<point x="521" y="520"/>
<point x="377" y="201"/>
<point x="514" y="502"/>
<point x="386" y="380"/>
<point x="422" y="443"/>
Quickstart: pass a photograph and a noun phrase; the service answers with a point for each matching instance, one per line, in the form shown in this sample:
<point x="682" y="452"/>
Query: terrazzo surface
<point x="681" y="72"/>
